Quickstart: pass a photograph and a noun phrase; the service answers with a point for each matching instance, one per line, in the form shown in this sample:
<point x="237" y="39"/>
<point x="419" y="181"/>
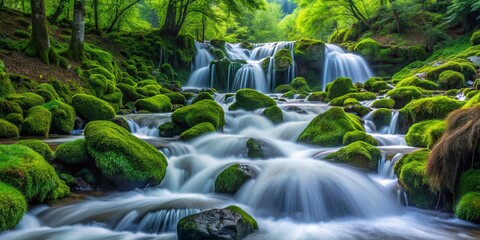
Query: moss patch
<point x="72" y="153"/>
<point x="38" y="146"/>
<point x="249" y="99"/>
<point x="156" y="104"/>
<point x="468" y="208"/>
<point x="203" y="111"/>
<point x="353" y="136"/>
<point x="63" y="117"/>
<point x="8" y="130"/>
<point x="425" y="134"/>
<point x="403" y="95"/>
<point x="358" y="154"/>
<point x="90" y="108"/>
<point x="384" y="103"/>
<point x="12" y="207"/>
<point x="429" y="108"/>
<point x="197" y="131"/>
<point x="340" y="87"/>
<point x="274" y="113"/>
<point x="37" y="122"/>
<point x="231" y="179"/>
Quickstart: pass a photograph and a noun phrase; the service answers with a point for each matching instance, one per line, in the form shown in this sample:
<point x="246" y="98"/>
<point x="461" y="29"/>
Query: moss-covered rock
<point x="122" y="122"/>
<point x="317" y="97"/>
<point x="375" y="85"/>
<point x="417" y="82"/>
<point x="467" y="70"/>
<point x="122" y="158"/>
<point x="38" y="146"/>
<point x="382" y="117"/>
<point x="231" y="179"/>
<point x="384" y="103"/>
<point x="8" y="130"/>
<point x="202" y="96"/>
<point x="290" y="94"/>
<point x="37" y="122"/>
<point x="72" y="153"/>
<point x="350" y="101"/>
<point x="26" y="170"/>
<point x="300" y="84"/>
<point x="12" y="207"/>
<point x="48" y="92"/>
<point x="425" y="134"/>
<point x="368" y="48"/>
<point x="202" y="111"/>
<point x="282" y="89"/>
<point x="156" y="104"/>
<point x="359" y="96"/>
<point x="450" y="80"/>
<point x="7" y="87"/>
<point x="7" y="107"/>
<point x="90" y="108"/>
<point x="429" y="108"/>
<point x="274" y="113"/>
<point x="168" y="129"/>
<point x="63" y="117"/>
<point x="14" y="118"/>
<point x="358" y="154"/>
<point x="340" y="87"/>
<point x="328" y="128"/>
<point x="468" y="208"/>
<point x="283" y="60"/>
<point x="411" y="170"/>
<point x="249" y="99"/>
<point x="27" y="100"/>
<point x="353" y="136"/>
<point x="474" y="101"/>
<point x="197" y="130"/>
<point x="176" y="98"/>
<point x="403" y="95"/>
<point x="469" y="182"/>
<point x="475" y="39"/>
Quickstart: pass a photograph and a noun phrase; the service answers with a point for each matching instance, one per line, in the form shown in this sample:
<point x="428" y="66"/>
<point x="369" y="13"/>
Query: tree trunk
<point x="95" y="11"/>
<point x="204" y="26"/>
<point x="39" y="42"/>
<point x="170" y="26"/>
<point x="78" y="30"/>
<point x="61" y="6"/>
<point x="397" y="21"/>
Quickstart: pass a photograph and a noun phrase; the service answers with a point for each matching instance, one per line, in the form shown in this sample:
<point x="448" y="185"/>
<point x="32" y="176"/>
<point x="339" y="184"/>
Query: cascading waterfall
<point x="339" y="63"/>
<point x="200" y="68"/>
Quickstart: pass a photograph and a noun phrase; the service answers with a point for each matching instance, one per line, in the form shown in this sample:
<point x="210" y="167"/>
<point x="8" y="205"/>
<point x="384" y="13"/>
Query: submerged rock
<point x="274" y="113"/>
<point x="219" y="224"/>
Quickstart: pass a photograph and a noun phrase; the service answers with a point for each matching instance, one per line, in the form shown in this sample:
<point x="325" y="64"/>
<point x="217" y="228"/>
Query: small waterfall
<point x="339" y="63"/>
<point x="385" y="166"/>
<point x="392" y="128"/>
<point x="250" y="76"/>
<point x="146" y="125"/>
<point x="203" y="56"/>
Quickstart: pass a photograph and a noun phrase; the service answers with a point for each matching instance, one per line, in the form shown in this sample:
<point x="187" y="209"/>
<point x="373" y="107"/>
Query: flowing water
<point x="295" y="194"/>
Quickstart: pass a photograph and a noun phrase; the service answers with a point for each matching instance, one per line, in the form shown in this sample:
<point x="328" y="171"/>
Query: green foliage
<point x="403" y="95"/>
<point x="463" y="12"/>
<point x="90" y="108"/>
<point x="8" y="130"/>
<point x="37" y="122"/>
<point x="38" y="146"/>
<point x="358" y="154"/>
<point x="353" y="136"/>
<point x="22" y="34"/>
<point x="274" y="113"/>
<point x="63" y="117"/>
<point x="450" y="80"/>
<point x="202" y="111"/>
<point x="122" y="158"/>
<point x="328" y="128"/>
<point x="475" y="39"/>
<point x="469" y="182"/>
<point x="340" y="87"/>
<point x="12" y="207"/>
<point x="384" y="103"/>
<point x="425" y="134"/>
<point x="429" y="108"/>
<point x="72" y="153"/>
<point x="156" y="104"/>
<point x="249" y="99"/>
<point x="231" y="179"/>
<point x="468" y="208"/>
<point x="417" y="82"/>
<point x="196" y="131"/>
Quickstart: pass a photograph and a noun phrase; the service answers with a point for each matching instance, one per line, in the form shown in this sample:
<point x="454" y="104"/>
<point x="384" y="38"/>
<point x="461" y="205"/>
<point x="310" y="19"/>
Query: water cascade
<point x="339" y="63"/>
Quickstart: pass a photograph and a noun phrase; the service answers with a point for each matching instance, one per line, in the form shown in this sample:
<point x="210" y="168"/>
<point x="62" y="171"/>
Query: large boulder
<point x="155" y="104"/>
<point x="12" y="207"/>
<point x="429" y="108"/>
<point x="8" y="130"/>
<point x="202" y="111"/>
<point x="403" y="95"/>
<point x="37" y="122"/>
<point x="249" y="99"/>
<point x="124" y="159"/>
<point x="425" y="134"/>
<point x="90" y="108"/>
<point x="340" y="87"/>
<point x="63" y="117"/>
<point x="73" y="153"/>
<point x="38" y="146"/>
<point x="232" y="178"/>
<point x="274" y="113"/>
<point x="219" y="224"/>
<point x="358" y="154"/>
<point x="328" y="128"/>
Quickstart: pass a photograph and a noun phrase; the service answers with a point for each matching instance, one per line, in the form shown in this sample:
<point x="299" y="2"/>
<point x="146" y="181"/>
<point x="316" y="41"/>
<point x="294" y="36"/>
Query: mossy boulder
<point x="72" y="153"/>
<point x="290" y="94"/>
<point x="249" y="100"/>
<point x="450" y="80"/>
<point x="91" y="108"/>
<point x="122" y="158"/>
<point x="197" y="130"/>
<point x="474" y="101"/>
<point x="48" y="92"/>
<point x="425" y="134"/>
<point x="203" y="111"/>
<point x="353" y="136"/>
<point x="274" y="114"/>
<point x="358" y="154"/>
<point x="412" y="176"/>
<point x="12" y="207"/>
<point x="282" y="89"/>
<point x="283" y="60"/>
<point x="7" y="107"/>
<point x="122" y="122"/>
<point x="63" y="117"/>
<point x="368" y="47"/>
<point x="375" y="85"/>
<point x="27" y="100"/>
<point x="202" y="96"/>
<point x="176" y="98"/>
<point x="300" y="84"/>
<point x="429" y="108"/>
<point x="340" y="87"/>
<point x="469" y="182"/>
<point x="417" y="82"/>
<point x="27" y="171"/>
<point x="350" y="101"/>
<point x="328" y="128"/>
<point x="384" y="103"/>
<point x="468" y="208"/>
<point x="359" y="96"/>
<point x="156" y="104"/>
<point x="168" y="129"/>
<point x="475" y="39"/>
<point x="37" y="122"/>
<point x="8" y="130"/>
<point x="229" y="223"/>
<point x="467" y="70"/>
<point x="38" y="146"/>
<point x="7" y="87"/>
<point x="14" y="118"/>
<point x="231" y="179"/>
<point x="403" y="95"/>
<point x="382" y="117"/>
<point x="317" y="97"/>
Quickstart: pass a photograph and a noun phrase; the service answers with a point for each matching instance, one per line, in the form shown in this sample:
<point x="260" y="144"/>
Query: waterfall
<point x="146" y="125"/>
<point x="203" y="56"/>
<point x="392" y="128"/>
<point x="339" y="63"/>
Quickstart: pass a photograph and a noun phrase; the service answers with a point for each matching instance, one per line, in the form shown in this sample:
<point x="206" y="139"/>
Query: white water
<point x="339" y="63"/>
<point x="296" y="195"/>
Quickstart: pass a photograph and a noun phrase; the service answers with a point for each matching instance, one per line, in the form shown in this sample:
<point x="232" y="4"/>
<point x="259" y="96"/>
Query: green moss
<point x="354" y="136"/>
<point x="37" y="122"/>
<point x="249" y="99"/>
<point x="429" y="108"/>
<point x="130" y="94"/>
<point x="359" y="96"/>
<point x="168" y="130"/>
<point x="7" y="87"/>
<point x="26" y="170"/>
<point x="202" y="96"/>
<point x="38" y="146"/>
<point x="245" y="216"/>
<point x="475" y="39"/>
<point x="350" y="101"/>
<point x="7" y="107"/>
<point x="197" y="131"/>
<point x="375" y="84"/>
<point x="202" y="111"/>
<point x="474" y="101"/>
<point x="48" y="92"/>
<point x="282" y="89"/>
<point x="63" y="117"/>
<point x="8" y="130"/>
<point x="450" y="79"/>
<point x="122" y="158"/>
<point x="300" y="84"/>
<point x="340" y="87"/>
<point x="358" y="154"/>
<point x="403" y="95"/>
<point x="290" y="94"/>
<point x="231" y="179"/>
<point x="156" y="104"/>
<point x="317" y="97"/>
<point x="90" y="108"/>
<point x="425" y="134"/>
<point x="417" y="82"/>
<point x="328" y="128"/>
<point x="72" y="153"/>
<point x="382" y="117"/>
<point x="27" y="100"/>
<point x="471" y="94"/>
<point x="384" y="103"/>
<point x="273" y="113"/>
<point x="465" y="68"/>
<point x="469" y="182"/>
<point x="176" y="98"/>
<point x="12" y="207"/>
<point x="14" y="118"/>
<point x="367" y="47"/>
<point x="283" y="60"/>
<point x="468" y="208"/>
